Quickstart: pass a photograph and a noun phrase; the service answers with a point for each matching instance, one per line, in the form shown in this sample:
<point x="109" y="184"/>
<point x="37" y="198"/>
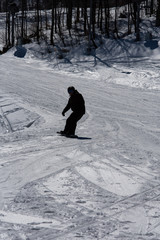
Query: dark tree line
<point x="40" y="19"/>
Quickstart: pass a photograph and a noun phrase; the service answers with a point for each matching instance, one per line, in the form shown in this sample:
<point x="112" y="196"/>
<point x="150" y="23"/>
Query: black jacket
<point x="76" y="103"/>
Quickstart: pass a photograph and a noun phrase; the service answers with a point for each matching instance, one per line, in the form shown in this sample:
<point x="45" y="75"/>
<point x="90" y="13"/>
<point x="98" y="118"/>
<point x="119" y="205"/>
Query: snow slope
<point x="104" y="185"/>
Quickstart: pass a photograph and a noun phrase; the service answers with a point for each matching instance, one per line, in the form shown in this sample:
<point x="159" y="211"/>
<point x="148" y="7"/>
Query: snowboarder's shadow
<point x="84" y="138"/>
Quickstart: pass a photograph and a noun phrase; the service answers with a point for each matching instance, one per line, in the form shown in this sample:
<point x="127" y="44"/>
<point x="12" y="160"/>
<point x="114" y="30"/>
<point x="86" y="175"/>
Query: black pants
<point x="71" y="123"/>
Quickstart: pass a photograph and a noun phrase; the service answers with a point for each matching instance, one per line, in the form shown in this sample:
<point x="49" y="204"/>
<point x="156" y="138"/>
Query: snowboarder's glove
<point x="63" y="113"/>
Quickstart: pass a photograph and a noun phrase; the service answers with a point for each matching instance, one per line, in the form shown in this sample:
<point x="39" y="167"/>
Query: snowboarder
<point x="77" y="104"/>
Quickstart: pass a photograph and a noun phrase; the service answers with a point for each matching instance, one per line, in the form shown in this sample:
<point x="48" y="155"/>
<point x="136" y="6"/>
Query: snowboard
<point x="68" y="136"/>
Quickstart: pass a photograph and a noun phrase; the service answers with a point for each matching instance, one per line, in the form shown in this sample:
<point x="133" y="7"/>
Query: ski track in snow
<point x="104" y="185"/>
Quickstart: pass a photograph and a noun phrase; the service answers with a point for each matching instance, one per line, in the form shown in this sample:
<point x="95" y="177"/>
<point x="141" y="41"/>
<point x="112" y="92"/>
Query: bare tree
<point x="37" y="20"/>
<point x="158" y="14"/>
<point x="23" y="9"/>
<point x="69" y="5"/>
<point x="52" y="24"/>
<point x="115" y="20"/>
<point x="107" y="17"/>
<point x="151" y="7"/>
<point x="129" y="16"/>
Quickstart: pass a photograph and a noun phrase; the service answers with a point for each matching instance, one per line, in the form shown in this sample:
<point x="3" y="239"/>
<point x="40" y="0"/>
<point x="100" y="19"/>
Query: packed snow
<point x="106" y="183"/>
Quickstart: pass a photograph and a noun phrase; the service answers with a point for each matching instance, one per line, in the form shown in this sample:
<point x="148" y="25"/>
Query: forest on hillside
<point x="36" y="20"/>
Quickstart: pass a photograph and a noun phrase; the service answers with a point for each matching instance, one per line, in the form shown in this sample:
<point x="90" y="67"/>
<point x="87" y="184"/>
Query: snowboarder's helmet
<point x="71" y="89"/>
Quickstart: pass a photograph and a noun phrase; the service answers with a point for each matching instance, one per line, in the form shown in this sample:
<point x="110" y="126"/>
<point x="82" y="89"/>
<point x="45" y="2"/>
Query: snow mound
<point x="14" y="117"/>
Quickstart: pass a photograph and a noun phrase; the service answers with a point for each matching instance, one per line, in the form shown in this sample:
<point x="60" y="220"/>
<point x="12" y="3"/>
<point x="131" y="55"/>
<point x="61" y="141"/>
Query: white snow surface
<point x="106" y="183"/>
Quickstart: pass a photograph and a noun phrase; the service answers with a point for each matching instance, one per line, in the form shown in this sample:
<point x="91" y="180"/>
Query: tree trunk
<point x="151" y="8"/>
<point x="115" y="21"/>
<point x="69" y="14"/>
<point x="85" y="17"/>
<point x="107" y="14"/>
<point x="23" y="6"/>
<point x="158" y="14"/>
<point x="93" y="18"/>
<point x="52" y="25"/>
<point x="37" y="13"/>
<point x="129" y="16"/>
